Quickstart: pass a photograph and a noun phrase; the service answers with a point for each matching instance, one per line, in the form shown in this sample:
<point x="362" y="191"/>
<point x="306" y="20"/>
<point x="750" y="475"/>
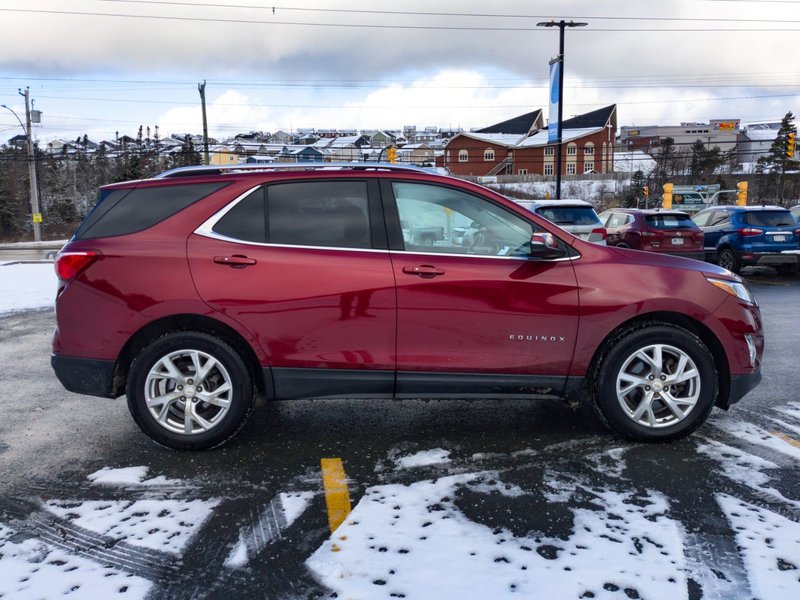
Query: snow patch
<point x="128" y="476"/>
<point x="409" y="540"/>
<point x="425" y="458"/>
<point x="33" y="570"/>
<point x="294" y="504"/>
<point x="165" y="525"/>
<point x="770" y="547"/>
<point x="26" y="287"/>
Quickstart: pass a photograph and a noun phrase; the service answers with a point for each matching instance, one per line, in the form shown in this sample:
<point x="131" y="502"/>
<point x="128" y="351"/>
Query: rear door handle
<point x="426" y="271"/>
<point x="237" y="261"/>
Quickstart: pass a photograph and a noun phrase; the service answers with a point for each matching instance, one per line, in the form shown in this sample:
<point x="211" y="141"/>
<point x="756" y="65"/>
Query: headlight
<point x="734" y="288"/>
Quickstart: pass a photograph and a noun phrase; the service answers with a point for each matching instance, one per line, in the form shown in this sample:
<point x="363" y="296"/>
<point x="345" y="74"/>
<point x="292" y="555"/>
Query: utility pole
<point x="560" y="59"/>
<point x="34" y="187"/>
<point x="201" y="87"/>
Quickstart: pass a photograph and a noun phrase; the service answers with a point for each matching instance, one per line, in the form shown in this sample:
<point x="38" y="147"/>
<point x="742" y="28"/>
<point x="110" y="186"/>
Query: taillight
<point x="747" y="231"/>
<point x="71" y="264"/>
<point x="601" y="231"/>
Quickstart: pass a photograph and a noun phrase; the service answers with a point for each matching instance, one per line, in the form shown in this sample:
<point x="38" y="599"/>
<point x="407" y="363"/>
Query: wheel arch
<point x="187" y="322"/>
<point x="678" y="320"/>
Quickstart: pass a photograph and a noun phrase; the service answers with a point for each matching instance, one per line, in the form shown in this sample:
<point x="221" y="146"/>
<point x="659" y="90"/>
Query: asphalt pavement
<point x="532" y="474"/>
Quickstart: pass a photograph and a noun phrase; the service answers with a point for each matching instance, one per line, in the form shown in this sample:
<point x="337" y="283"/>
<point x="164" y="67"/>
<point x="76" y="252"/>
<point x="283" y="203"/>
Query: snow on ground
<point x="26" y="286"/>
<point x="406" y="540"/>
<point x="128" y="476"/>
<point x="426" y="458"/>
<point x="165" y="525"/>
<point x="770" y="547"/>
<point x="755" y="435"/>
<point x="33" y="570"/>
<point x="592" y="190"/>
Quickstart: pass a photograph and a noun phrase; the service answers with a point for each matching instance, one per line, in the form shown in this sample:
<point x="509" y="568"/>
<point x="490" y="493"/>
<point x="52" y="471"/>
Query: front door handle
<point x="237" y="261"/>
<point x="426" y="271"/>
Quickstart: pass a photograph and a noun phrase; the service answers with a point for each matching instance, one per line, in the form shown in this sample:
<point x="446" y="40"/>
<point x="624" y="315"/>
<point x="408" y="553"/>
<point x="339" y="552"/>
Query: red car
<point x="193" y="291"/>
<point x="655" y="230"/>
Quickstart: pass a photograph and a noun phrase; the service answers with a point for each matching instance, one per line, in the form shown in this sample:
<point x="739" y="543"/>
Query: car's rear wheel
<point x="656" y="382"/>
<point x="727" y="259"/>
<point x="189" y="391"/>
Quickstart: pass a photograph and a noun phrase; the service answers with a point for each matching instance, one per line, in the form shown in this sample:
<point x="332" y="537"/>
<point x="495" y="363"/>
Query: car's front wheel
<point x="189" y="391"/>
<point x="656" y="382"/>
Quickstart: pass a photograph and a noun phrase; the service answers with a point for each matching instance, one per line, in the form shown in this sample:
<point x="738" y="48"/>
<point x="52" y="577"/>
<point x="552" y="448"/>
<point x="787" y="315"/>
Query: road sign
<point x="693" y="197"/>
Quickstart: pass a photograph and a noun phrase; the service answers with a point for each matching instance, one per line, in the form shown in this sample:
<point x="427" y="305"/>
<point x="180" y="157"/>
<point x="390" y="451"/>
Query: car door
<point x="481" y="319"/>
<point x="304" y="266"/>
<point x="718" y="225"/>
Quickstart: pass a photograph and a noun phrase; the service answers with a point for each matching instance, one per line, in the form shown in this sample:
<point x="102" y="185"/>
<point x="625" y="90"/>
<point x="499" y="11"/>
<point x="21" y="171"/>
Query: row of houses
<point x="517" y="146"/>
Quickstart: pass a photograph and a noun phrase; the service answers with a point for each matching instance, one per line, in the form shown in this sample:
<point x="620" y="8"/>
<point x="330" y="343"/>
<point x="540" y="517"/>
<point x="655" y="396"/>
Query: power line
<point x="274" y="9"/>
<point x="392" y="26"/>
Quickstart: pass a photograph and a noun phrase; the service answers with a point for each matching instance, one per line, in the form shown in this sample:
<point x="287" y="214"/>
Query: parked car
<point x="654" y="230"/>
<point x="740" y="236"/>
<point x="192" y="291"/>
<point x="576" y="216"/>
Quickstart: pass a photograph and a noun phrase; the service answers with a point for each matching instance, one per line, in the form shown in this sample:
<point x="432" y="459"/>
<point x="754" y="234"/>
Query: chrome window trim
<point x="206" y="229"/>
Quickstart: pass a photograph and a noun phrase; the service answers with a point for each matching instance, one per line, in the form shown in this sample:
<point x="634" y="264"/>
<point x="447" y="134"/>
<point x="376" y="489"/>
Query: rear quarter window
<point x="120" y="212"/>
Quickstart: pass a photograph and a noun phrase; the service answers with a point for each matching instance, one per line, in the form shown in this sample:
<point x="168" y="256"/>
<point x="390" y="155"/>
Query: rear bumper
<point x="768" y="259"/>
<point x="85" y="375"/>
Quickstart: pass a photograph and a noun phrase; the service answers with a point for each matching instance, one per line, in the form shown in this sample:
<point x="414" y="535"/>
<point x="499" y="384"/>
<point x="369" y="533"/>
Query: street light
<point x="34" y="191"/>
<point x="561" y="26"/>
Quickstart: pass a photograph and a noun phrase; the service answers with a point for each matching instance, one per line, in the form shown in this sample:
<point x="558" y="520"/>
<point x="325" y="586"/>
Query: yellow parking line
<point x="786" y="438"/>
<point x="337" y="496"/>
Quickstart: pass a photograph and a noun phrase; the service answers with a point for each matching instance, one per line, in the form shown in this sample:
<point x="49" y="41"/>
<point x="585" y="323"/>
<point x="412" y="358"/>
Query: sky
<point x="105" y="66"/>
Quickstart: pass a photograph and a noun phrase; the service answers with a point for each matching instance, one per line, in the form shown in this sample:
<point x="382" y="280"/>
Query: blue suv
<point x="740" y="236"/>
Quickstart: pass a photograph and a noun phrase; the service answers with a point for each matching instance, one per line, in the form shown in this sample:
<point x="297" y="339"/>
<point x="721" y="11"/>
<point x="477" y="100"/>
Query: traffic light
<point x="646" y="191"/>
<point x="741" y="193"/>
<point x="790" y="144"/>
<point x="666" y="199"/>
<point x="391" y="155"/>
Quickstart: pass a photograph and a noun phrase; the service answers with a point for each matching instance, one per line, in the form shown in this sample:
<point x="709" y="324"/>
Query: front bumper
<point x="85" y="375"/>
<point x="740" y="386"/>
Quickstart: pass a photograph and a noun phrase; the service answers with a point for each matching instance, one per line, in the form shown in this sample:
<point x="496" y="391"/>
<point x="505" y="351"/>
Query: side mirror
<point x="545" y="245"/>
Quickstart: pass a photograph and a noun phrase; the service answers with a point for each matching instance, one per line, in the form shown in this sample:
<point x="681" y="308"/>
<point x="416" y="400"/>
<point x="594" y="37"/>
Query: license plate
<point x="677" y="241"/>
<point x="779" y="238"/>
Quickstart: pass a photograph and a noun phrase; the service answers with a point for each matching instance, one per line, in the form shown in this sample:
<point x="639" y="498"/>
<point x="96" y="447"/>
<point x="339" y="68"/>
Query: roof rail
<point x="300" y="166"/>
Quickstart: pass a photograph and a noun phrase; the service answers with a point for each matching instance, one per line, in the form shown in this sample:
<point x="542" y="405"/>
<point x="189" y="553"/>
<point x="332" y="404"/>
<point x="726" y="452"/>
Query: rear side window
<point x="321" y="213"/>
<point x="127" y="211"/>
<point x="669" y="222"/>
<point x="768" y="218"/>
<point x="569" y="215"/>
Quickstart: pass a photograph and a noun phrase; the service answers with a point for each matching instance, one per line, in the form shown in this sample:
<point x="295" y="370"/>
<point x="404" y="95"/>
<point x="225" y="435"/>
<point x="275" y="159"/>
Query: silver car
<point x="576" y="216"/>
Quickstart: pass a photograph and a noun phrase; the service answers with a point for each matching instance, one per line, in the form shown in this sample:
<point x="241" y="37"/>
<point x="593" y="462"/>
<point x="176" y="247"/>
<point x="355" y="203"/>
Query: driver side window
<point x="443" y="220"/>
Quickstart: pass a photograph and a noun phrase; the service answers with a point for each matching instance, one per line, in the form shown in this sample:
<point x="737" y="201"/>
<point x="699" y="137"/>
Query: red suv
<point x="656" y="230"/>
<point x="193" y="291"/>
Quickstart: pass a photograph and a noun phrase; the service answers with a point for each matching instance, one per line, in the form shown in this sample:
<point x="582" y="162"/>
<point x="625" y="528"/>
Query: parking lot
<point x="450" y="499"/>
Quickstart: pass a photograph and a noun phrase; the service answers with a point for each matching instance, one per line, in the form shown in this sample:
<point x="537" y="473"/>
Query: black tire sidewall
<point x="605" y="383"/>
<point x="735" y="266"/>
<point x="241" y="384"/>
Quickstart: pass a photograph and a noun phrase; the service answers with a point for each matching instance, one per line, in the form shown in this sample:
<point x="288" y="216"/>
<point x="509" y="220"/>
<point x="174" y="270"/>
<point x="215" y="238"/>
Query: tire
<point x="727" y="259"/>
<point x="642" y="368"/>
<point x="218" y="403"/>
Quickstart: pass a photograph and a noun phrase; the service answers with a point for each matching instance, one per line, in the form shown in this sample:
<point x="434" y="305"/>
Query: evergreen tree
<point x="781" y="170"/>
